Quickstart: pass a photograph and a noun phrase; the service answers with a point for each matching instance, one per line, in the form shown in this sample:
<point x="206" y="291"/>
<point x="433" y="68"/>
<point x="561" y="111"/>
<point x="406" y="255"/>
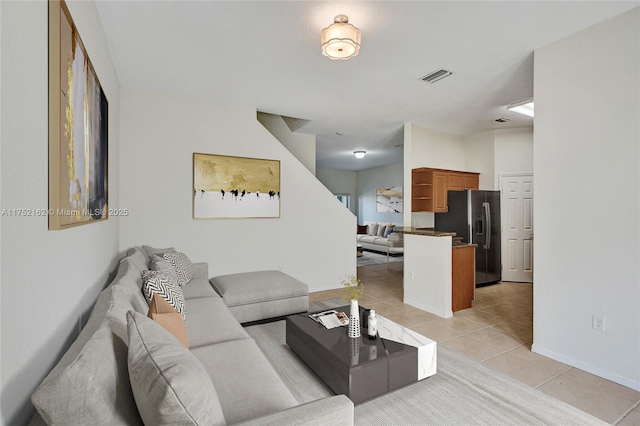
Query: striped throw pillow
<point x="158" y="282"/>
<point x="182" y="265"/>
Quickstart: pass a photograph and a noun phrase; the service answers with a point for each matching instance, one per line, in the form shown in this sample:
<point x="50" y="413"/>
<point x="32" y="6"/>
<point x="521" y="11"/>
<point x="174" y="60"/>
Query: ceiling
<point x="266" y="55"/>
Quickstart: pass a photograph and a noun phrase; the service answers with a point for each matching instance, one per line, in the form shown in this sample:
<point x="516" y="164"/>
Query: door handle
<point x="487" y="231"/>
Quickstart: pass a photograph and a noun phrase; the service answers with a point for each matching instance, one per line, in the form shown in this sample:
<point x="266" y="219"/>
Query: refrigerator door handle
<point x="487" y="232"/>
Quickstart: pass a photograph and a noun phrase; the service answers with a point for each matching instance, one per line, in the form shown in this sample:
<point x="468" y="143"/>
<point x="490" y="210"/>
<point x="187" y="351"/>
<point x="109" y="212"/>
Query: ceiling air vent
<point x="502" y="119"/>
<point x="436" y="75"/>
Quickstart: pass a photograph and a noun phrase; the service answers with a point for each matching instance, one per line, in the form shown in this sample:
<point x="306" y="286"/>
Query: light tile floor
<point x="497" y="332"/>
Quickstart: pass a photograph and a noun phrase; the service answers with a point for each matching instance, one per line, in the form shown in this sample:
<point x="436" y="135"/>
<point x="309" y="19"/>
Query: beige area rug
<point x="375" y="258"/>
<point x="463" y="392"/>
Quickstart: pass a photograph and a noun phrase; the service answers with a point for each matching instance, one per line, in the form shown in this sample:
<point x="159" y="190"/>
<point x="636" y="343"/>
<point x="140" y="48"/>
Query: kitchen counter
<point x="463" y="245"/>
<point x="427" y="271"/>
<point x="431" y="265"/>
<point x="429" y="232"/>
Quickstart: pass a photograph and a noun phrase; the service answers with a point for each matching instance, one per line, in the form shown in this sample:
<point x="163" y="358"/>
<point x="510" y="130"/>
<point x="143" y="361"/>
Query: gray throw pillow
<point x="159" y="282"/>
<point x="137" y="259"/>
<point x="169" y="384"/>
<point x="160" y="264"/>
<point x="152" y="251"/>
<point x="182" y="265"/>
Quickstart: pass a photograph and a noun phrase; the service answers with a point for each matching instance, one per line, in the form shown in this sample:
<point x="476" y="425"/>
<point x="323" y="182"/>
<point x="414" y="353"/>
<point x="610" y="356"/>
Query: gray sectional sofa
<point x="92" y="383"/>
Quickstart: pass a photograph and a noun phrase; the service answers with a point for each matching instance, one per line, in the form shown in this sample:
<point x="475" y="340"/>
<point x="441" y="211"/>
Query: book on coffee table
<point x="330" y="319"/>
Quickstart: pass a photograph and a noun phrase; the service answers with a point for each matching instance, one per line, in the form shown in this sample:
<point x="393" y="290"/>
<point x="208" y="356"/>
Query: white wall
<point x="495" y="152"/>
<point x="313" y="240"/>
<point x="341" y="182"/>
<point x="408" y="165"/>
<point x="49" y="278"/>
<point x="480" y="157"/>
<point x="587" y="171"/>
<point x="513" y="152"/>
<point x="436" y="149"/>
<point x="301" y="145"/>
<point x="369" y="180"/>
<point x="428" y="148"/>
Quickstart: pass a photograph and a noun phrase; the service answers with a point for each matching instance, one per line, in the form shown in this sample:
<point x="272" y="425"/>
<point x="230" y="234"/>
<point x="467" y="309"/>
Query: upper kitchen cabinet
<point x="470" y="181"/>
<point x="422" y="191"/>
<point x="454" y="181"/>
<point x="429" y="187"/>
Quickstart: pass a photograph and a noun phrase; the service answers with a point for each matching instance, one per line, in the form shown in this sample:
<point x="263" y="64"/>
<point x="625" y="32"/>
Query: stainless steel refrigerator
<point x="475" y="216"/>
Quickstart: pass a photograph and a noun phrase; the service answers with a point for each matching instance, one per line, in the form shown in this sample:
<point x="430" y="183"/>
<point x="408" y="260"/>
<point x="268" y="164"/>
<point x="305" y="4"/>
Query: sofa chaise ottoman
<point x="254" y="296"/>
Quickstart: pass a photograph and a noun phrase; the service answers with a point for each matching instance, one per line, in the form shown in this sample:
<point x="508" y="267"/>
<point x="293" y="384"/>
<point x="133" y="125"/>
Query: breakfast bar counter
<point x="429" y="270"/>
<point x="429" y="232"/>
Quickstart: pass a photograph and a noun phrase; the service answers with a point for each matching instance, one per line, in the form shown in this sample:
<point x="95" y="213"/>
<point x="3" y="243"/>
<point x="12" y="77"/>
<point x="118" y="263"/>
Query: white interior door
<point x="517" y="227"/>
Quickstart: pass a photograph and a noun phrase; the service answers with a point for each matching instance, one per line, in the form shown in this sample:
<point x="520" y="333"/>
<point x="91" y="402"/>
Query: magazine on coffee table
<point x="331" y="318"/>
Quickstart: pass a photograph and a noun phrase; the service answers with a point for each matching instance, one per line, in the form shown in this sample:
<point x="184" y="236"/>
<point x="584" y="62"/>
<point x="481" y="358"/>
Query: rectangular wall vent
<point x="436" y="75"/>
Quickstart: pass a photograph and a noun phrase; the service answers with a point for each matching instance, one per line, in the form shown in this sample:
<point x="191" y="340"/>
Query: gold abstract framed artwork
<point x="389" y="199"/>
<point x="78" y="128"/>
<point x="235" y="187"/>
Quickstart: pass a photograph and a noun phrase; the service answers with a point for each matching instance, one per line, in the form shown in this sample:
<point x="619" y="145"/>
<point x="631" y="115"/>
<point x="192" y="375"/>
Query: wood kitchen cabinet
<point x="470" y="181"/>
<point x="463" y="278"/>
<point x="429" y="187"/>
<point x="421" y="190"/>
<point x="454" y="181"/>
<point x="440" y="192"/>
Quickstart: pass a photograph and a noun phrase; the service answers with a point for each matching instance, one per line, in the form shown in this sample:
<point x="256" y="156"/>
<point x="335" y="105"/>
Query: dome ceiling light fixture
<point x="359" y="154"/>
<point x="340" y="40"/>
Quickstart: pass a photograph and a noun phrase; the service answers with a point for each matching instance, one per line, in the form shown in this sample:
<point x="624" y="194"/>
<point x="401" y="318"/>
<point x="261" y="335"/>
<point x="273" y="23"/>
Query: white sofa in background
<point x="380" y="237"/>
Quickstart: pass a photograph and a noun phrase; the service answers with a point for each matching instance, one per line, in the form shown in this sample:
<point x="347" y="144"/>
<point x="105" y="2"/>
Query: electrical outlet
<point x="598" y="323"/>
<point x="280" y="268"/>
<point x="411" y="275"/>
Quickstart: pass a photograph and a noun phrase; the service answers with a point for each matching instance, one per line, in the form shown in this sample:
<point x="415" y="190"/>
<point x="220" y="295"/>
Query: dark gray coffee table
<point x="361" y="368"/>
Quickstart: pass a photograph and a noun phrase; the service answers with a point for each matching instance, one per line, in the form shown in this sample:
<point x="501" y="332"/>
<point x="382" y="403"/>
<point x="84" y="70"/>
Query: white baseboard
<point x="430" y="309"/>
<point x="616" y="378"/>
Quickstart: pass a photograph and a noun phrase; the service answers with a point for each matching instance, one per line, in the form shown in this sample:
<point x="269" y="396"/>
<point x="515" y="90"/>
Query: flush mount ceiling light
<point x="340" y="40"/>
<point x="359" y="154"/>
<point x="524" y="106"/>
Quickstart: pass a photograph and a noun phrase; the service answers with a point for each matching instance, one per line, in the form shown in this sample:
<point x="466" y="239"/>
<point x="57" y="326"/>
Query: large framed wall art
<point x="235" y="187"/>
<point x="389" y="200"/>
<point x="78" y="128"/>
